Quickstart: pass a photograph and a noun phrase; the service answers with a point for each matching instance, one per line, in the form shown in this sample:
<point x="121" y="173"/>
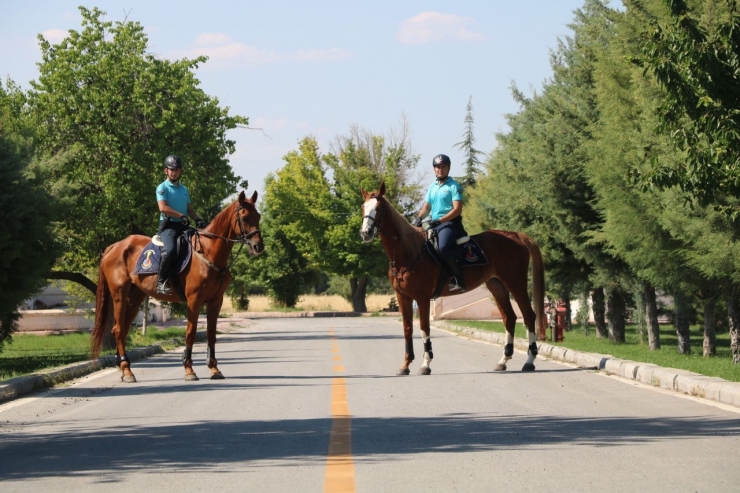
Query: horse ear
<point x="254" y="197"/>
<point x="381" y="189"/>
<point x="242" y="197"/>
<point x="364" y="194"/>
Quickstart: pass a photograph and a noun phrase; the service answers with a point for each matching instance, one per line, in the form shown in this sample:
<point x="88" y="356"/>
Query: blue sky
<point x="315" y="68"/>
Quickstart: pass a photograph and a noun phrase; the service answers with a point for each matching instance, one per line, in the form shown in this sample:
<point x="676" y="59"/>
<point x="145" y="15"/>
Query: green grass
<point x="31" y="353"/>
<point x="717" y="366"/>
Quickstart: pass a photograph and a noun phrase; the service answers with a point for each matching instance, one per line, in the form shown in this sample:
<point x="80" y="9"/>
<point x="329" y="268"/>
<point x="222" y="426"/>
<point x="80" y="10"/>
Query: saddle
<point x="148" y="261"/>
<point x="470" y="251"/>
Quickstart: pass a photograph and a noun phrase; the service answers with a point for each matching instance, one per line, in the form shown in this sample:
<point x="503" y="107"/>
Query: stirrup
<point x="454" y="286"/>
<point x="164" y="288"/>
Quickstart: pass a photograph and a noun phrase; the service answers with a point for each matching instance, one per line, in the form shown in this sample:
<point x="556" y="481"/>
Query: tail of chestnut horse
<point x="538" y="282"/>
<point x="102" y="311"/>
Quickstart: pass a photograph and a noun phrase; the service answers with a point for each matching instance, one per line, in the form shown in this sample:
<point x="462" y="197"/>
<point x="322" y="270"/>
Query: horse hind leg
<point x="501" y="296"/>
<point x="522" y="299"/>
<point x="126" y="307"/>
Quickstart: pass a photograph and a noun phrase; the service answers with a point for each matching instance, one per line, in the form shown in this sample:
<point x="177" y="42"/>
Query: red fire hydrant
<point x="557" y="313"/>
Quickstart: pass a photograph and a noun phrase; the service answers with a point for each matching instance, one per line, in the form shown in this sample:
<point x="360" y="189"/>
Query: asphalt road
<point x="314" y="405"/>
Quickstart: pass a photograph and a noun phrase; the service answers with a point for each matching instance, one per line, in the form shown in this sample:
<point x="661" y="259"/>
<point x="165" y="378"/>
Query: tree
<point x="117" y="111"/>
<point x="467" y="146"/>
<point x="27" y="248"/>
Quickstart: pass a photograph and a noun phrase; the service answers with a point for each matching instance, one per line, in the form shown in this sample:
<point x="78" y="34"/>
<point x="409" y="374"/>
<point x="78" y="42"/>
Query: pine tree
<point x="472" y="163"/>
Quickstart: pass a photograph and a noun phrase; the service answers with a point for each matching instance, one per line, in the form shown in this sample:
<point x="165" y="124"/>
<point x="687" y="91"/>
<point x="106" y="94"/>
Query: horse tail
<point x="102" y="311"/>
<point x="538" y="281"/>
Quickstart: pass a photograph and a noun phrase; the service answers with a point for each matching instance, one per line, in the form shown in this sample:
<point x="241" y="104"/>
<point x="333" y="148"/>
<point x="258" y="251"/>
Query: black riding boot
<point x="456" y="281"/>
<point x="164" y="272"/>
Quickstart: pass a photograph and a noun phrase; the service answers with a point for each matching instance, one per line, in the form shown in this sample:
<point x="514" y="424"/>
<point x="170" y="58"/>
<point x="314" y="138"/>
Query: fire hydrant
<point x="557" y="313"/>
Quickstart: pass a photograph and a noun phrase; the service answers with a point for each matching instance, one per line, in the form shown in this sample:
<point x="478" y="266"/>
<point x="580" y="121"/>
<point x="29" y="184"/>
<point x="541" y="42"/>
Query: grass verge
<point x="634" y="350"/>
<point x="31" y="353"/>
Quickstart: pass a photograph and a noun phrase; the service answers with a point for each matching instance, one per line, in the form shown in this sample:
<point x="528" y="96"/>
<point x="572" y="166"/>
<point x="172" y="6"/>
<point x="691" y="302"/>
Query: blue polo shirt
<point x="177" y="197"/>
<point x="440" y="197"/>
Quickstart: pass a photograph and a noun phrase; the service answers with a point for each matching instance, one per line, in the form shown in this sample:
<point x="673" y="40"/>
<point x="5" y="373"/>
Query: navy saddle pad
<point x="148" y="262"/>
<point x="472" y="254"/>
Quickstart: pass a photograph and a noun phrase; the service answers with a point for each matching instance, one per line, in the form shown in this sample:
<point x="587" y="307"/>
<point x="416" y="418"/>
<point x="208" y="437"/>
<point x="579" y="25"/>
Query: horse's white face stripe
<point x="368" y="211"/>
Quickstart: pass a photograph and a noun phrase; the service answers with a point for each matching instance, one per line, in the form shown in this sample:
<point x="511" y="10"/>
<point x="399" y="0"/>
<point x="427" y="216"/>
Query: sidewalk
<point x="711" y="388"/>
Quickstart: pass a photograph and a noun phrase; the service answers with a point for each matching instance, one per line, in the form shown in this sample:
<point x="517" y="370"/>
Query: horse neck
<point x="399" y="238"/>
<point x="218" y="249"/>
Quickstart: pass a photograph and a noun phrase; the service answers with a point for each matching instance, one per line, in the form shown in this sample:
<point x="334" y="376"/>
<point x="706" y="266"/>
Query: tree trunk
<point x="615" y="315"/>
<point x="710" y="327"/>
<point x="359" y="286"/>
<point x="638" y="316"/>
<point x="146" y="316"/>
<point x="733" y="312"/>
<point x="651" y="317"/>
<point x="682" y="322"/>
<point x="597" y="298"/>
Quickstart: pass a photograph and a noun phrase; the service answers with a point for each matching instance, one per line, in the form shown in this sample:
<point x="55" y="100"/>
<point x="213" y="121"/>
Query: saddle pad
<point x="148" y="262"/>
<point x="472" y="254"/>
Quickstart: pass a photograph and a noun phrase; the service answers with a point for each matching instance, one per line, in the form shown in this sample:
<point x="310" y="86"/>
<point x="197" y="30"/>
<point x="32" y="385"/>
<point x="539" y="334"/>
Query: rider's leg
<point x="169" y="238"/>
<point x="448" y="234"/>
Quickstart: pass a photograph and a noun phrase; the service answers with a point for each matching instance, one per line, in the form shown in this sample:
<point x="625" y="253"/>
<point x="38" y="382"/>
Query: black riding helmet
<point x="173" y="162"/>
<point x="440" y="159"/>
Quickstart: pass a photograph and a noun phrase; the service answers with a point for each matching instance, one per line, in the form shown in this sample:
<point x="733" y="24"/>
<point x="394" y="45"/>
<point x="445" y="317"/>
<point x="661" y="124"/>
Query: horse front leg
<point x="407" y="313"/>
<point x="212" y="311"/>
<point x="426" y="336"/>
<point x="187" y="354"/>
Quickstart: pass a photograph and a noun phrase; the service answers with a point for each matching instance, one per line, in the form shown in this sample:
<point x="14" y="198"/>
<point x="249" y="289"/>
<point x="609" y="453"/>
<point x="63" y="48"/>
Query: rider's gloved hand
<point x="184" y="220"/>
<point x="200" y="224"/>
<point x="434" y="223"/>
<point x="416" y="222"/>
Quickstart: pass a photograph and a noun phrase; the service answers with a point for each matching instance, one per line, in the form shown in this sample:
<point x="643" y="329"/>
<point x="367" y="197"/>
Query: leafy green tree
<point x="117" y="111"/>
<point x="27" y="248"/>
<point x="467" y="146"/>
<point x="698" y="65"/>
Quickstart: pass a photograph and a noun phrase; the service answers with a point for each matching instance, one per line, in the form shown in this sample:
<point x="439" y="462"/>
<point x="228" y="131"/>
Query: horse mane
<point x="412" y="238"/>
<point x="222" y="220"/>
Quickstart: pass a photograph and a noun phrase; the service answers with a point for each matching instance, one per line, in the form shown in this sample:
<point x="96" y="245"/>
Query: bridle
<point x="243" y="237"/>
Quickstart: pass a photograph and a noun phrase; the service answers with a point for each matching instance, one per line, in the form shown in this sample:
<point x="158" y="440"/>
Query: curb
<point x="711" y="388"/>
<point x="19" y="386"/>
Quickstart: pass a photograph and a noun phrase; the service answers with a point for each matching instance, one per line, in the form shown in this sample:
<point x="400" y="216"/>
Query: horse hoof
<point x="528" y="367"/>
<point x="217" y="376"/>
<point x="402" y="371"/>
<point x="128" y="379"/>
<point x="191" y="377"/>
<point x="500" y="367"/>
<point x="424" y="370"/>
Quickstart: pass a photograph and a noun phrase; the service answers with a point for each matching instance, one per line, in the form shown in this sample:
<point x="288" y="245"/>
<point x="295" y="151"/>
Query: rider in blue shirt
<point x="175" y="206"/>
<point x="445" y="202"/>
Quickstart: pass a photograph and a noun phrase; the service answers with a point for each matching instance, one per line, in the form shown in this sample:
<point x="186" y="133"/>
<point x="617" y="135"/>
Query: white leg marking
<point x="504" y="358"/>
<point x="427" y="359"/>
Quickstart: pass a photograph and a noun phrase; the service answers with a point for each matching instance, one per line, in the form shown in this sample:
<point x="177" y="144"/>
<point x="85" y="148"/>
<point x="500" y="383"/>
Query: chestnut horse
<point x="204" y="280"/>
<point x="414" y="275"/>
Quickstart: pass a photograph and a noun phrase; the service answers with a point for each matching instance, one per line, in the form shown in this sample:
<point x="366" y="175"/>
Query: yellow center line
<point x="340" y="468"/>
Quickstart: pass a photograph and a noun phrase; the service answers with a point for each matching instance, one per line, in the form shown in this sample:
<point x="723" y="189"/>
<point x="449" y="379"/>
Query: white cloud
<point x="435" y="26"/>
<point x="54" y="36"/>
<point x="223" y="50"/>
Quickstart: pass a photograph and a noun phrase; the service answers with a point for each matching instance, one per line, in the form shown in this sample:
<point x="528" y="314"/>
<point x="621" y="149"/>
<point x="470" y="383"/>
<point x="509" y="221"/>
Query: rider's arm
<point x="192" y="213"/>
<point x="167" y="210"/>
<point x="455" y="212"/>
